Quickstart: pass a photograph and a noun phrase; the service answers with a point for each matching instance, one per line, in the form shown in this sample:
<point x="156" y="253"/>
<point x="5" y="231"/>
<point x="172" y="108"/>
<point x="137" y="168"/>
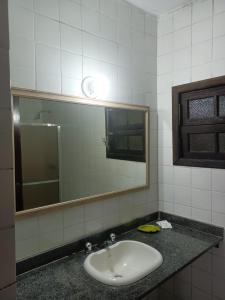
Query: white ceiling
<point x="158" y="6"/>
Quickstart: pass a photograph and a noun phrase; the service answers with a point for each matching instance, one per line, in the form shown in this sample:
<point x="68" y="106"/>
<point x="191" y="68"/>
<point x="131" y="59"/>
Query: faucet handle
<point x="88" y="246"/>
<point x="112" y="237"/>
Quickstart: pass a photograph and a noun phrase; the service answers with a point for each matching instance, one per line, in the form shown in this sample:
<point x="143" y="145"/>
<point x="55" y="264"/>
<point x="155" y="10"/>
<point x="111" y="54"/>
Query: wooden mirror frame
<point x="31" y="94"/>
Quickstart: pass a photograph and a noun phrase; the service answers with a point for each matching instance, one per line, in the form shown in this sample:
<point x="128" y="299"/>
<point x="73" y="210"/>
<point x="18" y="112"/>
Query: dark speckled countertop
<point x="67" y="279"/>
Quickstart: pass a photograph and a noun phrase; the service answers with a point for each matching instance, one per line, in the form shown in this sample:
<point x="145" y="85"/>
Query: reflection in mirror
<point x="67" y="151"/>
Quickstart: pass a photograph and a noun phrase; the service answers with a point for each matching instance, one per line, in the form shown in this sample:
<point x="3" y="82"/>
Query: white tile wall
<point x="87" y="33"/>
<point x="54" y="44"/>
<point x="198" y="193"/>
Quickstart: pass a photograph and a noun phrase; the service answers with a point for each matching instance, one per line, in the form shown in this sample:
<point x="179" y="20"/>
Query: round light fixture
<point x="93" y="87"/>
<point x="88" y="86"/>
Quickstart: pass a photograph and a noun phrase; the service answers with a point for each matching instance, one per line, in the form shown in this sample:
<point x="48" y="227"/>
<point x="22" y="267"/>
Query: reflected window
<point x="125" y="134"/>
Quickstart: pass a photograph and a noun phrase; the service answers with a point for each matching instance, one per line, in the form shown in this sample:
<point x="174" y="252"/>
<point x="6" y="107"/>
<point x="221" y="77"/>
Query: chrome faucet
<point x="112" y="238"/>
<point x="88" y="246"/>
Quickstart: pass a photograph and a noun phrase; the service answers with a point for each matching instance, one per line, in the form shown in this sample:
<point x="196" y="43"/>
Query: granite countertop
<point x="67" y="279"/>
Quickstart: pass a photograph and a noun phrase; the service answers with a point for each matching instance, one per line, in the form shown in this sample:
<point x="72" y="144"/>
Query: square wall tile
<point x="164" y="138"/>
<point x="165" y="44"/>
<point x="6" y="149"/>
<point x="123" y="34"/>
<point x="47" y="31"/>
<point x="107" y="28"/>
<point x="165" y="156"/>
<point x="73" y="233"/>
<point x="49" y="8"/>
<point x="201" y="215"/>
<point x="90" y="20"/>
<point x="182" y="38"/>
<point x="29" y="4"/>
<point x="219" y="48"/>
<point x="182" y="176"/>
<point x="218" y="25"/>
<point x="182" y="59"/>
<point x="47" y="59"/>
<point x="93" y="211"/>
<point x="50" y="240"/>
<point x="166" y="174"/>
<point x="26" y="81"/>
<point x="108" y="7"/>
<point x="182" y="18"/>
<point x="51" y="221"/>
<point x="70" y="13"/>
<point x="166" y="192"/>
<point x="165" y="24"/>
<point x="21" y="22"/>
<point x="182" y="76"/>
<point x="218" y="202"/>
<point x="26" y="228"/>
<point x="166" y="207"/>
<point x="201" y="10"/>
<point x="182" y="195"/>
<point x="108" y="51"/>
<point x="91" y="46"/>
<point x="219" y="6"/>
<point x="201" y="199"/>
<point x="151" y="24"/>
<point x="202" y="31"/>
<point x="93" y="226"/>
<point x="93" y="4"/>
<point x="218" y="179"/>
<point x="218" y="68"/>
<point x="27" y="248"/>
<point x="71" y="64"/>
<point x="7" y="198"/>
<point x="48" y="82"/>
<point x="201" y="72"/>
<point x="4" y="30"/>
<point x="201" y="178"/>
<point x="218" y="219"/>
<point x="8" y="293"/>
<point x="124" y="12"/>
<point x="7" y="257"/>
<point x="71" y="39"/>
<point x="165" y="64"/>
<point x="182" y="210"/>
<point x="4" y="80"/>
<point x="137" y="19"/>
<point x="73" y="216"/>
<point x="22" y="53"/>
<point x="201" y="53"/>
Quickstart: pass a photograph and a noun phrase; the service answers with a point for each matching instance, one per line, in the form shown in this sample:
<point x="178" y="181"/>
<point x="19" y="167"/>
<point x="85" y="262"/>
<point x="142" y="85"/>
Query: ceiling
<point x="158" y="6"/>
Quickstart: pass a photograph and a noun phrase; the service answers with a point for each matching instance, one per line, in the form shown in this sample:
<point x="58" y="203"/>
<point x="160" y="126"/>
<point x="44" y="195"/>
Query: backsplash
<point x="54" y="44"/>
<point x="191" y="47"/>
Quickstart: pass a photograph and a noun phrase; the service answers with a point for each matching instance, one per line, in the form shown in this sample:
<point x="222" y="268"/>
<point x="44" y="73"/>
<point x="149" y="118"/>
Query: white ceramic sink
<point x="123" y="263"/>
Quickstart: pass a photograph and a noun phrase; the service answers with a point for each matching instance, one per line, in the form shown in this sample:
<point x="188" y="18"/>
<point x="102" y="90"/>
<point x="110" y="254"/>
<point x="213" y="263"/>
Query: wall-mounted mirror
<point x="69" y="149"/>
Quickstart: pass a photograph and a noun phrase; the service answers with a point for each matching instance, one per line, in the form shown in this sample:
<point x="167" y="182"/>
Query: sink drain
<point x="118" y="276"/>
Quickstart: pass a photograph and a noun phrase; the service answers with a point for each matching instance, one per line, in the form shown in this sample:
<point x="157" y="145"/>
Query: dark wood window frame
<point x="210" y="128"/>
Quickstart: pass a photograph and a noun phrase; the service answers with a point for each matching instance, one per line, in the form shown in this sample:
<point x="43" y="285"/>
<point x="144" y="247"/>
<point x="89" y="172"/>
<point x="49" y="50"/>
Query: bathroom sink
<point x="123" y="263"/>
